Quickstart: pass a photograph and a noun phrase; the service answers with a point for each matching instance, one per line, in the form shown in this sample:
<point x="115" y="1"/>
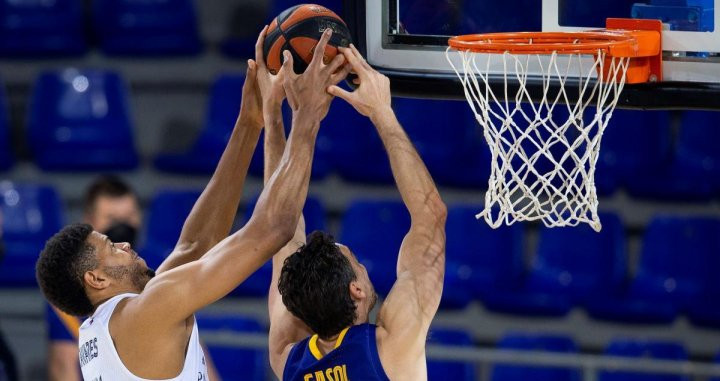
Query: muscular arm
<point x="406" y="314"/>
<point x="285" y="328"/>
<point x="212" y="215"/>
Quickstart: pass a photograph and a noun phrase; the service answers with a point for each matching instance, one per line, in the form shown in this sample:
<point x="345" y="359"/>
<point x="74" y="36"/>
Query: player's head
<point x="79" y="267"/>
<point x="111" y="207"/>
<point x="325" y="286"/>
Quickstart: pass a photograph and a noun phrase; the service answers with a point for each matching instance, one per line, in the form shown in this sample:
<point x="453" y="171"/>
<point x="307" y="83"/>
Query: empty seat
<point x="222" y="113"/>
<point x="37" y="28"/>
<point x="374" y="230"/>
<point x="79" y="120"/>
<point x="258" y="283"/>
<point x="353" y="145"/>
<point x="526" y="342"/>
<point x="31" y="214"/>
<point x="572" y="266"/>
<point x="448" y="139"/>
<point x="450" y="370"/>
<point x="234" y="363"/>
<point x="636" y="149"/>
<point x="487" y="17"/>
<point x="7" y="158"/>
<point x="580" y="13"/>
<point x="479" y="260"/>
<point x="648" y="350"/>
<point x="167" y="214"/>
<point x="146" y="27"/>
<point x="675" y="258"/>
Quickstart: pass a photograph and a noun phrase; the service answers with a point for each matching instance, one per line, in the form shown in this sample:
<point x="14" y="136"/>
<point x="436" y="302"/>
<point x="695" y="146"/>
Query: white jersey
<point x="99" y="361"/>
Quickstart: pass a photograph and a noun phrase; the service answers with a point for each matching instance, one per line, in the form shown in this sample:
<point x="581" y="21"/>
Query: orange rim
<point x="613" y="43"/>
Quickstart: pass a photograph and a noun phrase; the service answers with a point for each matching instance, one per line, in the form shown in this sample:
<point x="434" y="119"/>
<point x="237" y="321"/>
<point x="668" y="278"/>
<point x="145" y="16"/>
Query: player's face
<point x="363" y="278"/>
<point x="121" y="263"/>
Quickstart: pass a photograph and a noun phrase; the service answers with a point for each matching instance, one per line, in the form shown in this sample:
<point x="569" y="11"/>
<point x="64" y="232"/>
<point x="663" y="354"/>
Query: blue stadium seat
<point x="79" y="120"/>
<point x="691" y="172"/>
<point x="450" y="370"/>
<point x="235" y="363"/>
<point x="589" y="14"/>
<point x="622" y="160"/>
<point x="535" y="343"/>
<point x="222" y="113"/>
<point x="258" y="283"/>
<point x="167" y="214"/>
<point x="572" y="266"/>
<point x="448" y="139"/>
<point x="36" y="28"/>
<point x="31" y="215"/>
<point x="704" y="309"/>
<point x="374" y="230"/>
<point x="686" y="15"/>
<point x="353" y="145"/>
<point x="479" y="260"/>
<point x="146" y="27"/>
<point x="486" y="17"/>
<point x="698" y="158"/>
<point x="675" y="257"/>
<point x="7" y="158"/>
<point x="648" y="350"/>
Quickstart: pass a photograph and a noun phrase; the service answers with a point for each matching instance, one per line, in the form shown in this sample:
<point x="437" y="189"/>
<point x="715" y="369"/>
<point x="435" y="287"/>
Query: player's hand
<point x="251" y="111"/>
<point x="271" y="86"/>
<point x="373" y="93"/>
<point x="307" y="92"/>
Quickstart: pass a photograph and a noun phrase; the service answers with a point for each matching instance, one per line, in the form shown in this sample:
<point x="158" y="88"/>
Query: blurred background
<point x="148" y="91"/>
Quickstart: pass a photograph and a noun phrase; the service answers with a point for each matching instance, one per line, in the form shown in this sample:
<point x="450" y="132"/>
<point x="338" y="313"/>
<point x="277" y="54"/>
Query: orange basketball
<point x="298" y="29"/>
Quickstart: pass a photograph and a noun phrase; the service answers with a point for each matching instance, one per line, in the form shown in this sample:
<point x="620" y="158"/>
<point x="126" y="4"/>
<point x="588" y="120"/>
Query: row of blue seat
<point x="572" y="267"/>
<point x="87" y="110"/>
<point x="430" y="17"/>
<point x="252" y="364"/>
<point x="36" y="28"/>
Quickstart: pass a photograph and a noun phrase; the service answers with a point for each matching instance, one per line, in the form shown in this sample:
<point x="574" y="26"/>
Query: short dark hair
<point x="105" y="185"/>
<point x="314" y="284"/>
<point x="61" y="266"/>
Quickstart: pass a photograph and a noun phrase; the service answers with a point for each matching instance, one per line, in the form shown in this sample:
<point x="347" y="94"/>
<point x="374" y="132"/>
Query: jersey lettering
<point x="88" y="351"/>
<point x="337" y="373"/>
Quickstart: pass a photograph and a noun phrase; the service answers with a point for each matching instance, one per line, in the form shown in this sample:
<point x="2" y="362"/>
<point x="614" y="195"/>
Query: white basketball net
<point x="543" y="168"/>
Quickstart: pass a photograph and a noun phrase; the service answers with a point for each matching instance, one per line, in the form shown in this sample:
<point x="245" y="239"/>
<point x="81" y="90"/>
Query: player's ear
<point x="356" y="292"/>
<point x="96" y="279"/>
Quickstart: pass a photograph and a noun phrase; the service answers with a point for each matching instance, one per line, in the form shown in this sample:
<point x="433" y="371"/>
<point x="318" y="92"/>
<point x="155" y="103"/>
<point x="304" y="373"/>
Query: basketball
<point x="298" y="29"/>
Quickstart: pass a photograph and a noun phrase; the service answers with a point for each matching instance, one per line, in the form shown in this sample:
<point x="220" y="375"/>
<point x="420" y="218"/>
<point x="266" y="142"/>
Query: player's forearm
<point x="212" y="215"/>
<point x="412" y="177"/>
<point x="274" y="138"/>
<point x="281" y="202"/>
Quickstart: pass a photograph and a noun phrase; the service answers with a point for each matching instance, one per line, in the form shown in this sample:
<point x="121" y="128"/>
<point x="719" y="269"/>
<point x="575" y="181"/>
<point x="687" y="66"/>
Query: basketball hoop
<point x="543" y="168"/>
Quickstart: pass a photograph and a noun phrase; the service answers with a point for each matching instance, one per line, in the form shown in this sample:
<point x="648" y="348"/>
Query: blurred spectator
<point x="8" y="370"/>
<point x="111" y="207"/>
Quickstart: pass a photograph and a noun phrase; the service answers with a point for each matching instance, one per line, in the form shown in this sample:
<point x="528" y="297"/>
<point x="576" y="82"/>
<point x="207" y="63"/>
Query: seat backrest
<point x="31" y="213"/>
<point x="450" y="370"/>
<point x="27" y="14"/>
<point x="549" y="343"/>
<point x="374" y="230"/>
<point x="582" y="259"/>
<point x="495" y="256"/>
<point x="313" y="212"/>
<point x="698" y="138"/>
<point x="168" y="211"/>
<point x="677" y="254"/>
<point x="620" y="149"/>
<point x="644" y="349"/>
<point x="80" y="108"/>
<point x="6" y="155"/>
<point x="144" y="15"/>
<point x="222" y="110"/>
<point x="233" y="361"/>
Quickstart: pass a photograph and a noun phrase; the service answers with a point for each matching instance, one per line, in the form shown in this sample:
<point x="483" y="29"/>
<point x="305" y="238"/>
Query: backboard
<point x="407" y="39"/>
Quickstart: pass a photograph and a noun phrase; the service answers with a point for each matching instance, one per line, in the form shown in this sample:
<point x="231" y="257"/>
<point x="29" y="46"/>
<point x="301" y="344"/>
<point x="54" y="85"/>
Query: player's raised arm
<point x="212" y="215"/>
<point x="178" y="293"/>
<point x="285" y="328"/>
<point x="414" y="299"/>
